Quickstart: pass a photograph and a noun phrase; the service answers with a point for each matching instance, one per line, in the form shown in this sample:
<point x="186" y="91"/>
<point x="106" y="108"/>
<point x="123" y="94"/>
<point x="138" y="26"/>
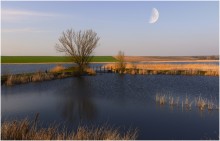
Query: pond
<point x="127" y="101"/>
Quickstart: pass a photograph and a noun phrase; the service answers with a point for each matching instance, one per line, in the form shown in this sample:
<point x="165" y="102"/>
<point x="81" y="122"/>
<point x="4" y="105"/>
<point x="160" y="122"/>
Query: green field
<point x="50" y="59"/>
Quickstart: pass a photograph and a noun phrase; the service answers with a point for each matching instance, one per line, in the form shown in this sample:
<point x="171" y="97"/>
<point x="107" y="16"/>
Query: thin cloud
<point x="10" y="15"/>
<point x="23" y="30"/>
<point x="15" y="12"/>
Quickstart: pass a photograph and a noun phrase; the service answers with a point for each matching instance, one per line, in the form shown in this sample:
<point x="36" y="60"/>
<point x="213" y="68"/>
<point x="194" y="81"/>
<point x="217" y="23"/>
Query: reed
<point x="210" y="105"/>
<point x="57" y="68"/>
<point x="201" y="103"/>
<point x="27" y="130"/>
<point x="42" y="76"/>
<point x="133" y="71"/>
<point x="171" y="101"/>
<point x="17" y="79"/>
<point x="90" y="71"/>
<point x="186" y="101"/>
<point x="37" y="77"/>
<point x="10" y="80"/>
<point x="158" y="98"/>
<point x="171" y="69"/>
<point x="25" y="78"/>
<point x="161" y="99"/>
<point x="177" y="101"/>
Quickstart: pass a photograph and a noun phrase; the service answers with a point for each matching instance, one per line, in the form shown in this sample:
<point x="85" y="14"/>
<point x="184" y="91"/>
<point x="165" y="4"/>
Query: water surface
<point x="119" y="100"/>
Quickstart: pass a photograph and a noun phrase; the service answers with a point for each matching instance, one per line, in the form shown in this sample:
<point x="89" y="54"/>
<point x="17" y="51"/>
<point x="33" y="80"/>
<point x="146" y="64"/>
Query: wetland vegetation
<point x="29" y="130"/>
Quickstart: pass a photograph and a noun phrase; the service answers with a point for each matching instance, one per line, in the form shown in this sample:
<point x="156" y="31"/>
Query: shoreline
<point x="181" y="61"/>
<point x="126" y="62"/>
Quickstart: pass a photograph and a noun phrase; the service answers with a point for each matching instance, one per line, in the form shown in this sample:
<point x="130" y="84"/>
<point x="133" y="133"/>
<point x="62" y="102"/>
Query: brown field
<point x="170" y="58"/>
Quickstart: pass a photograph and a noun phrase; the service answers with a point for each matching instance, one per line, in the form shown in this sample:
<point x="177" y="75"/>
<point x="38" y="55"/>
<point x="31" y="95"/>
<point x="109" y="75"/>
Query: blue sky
<point x="183" y="28"/>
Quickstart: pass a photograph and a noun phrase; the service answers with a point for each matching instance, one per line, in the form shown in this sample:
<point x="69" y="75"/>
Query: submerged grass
<point x="27" y="130"/>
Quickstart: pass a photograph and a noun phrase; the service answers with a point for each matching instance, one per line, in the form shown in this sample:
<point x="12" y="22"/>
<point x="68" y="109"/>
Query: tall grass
<point x="25" y="78"/>
<point x="17" y="79"/>
<point x="57" y="68"/>
<point x="90" y="71"/>
<point x="184" y="69"/>
<point x="28" y="130"/>
<point x="161" y="99"/>
<point x="186" y="103"/>
<point x="55" y="73"/>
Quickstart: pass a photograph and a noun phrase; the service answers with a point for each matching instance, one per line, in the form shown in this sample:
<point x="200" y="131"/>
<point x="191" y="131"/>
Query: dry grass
<point x="186" y="69"/>
<point x="204" y="67"/>
<point x="17" y="79"/>
<point x="170" y="58"/>
<point x="161" y="99"/>
<point x="90" y="71"/>
<point x="57" y="68"/>
<point x="57" y="72"/>
<point x="201" y="103"/>
<point x="25" y="78"/>
<point x="41" y="77"/>
<point x="27" y="130"/>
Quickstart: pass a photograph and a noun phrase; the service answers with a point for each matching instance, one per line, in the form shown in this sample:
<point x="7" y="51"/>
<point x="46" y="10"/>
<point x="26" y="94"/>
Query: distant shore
<point x="127" y="62"/>
<point x="182" y="61"/>
<point x="104" y="59"/>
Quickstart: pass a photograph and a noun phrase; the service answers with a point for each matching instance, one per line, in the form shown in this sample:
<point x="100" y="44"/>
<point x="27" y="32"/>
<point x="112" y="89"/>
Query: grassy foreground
<point x="50" y="59"/>
<point x="28" y="130"/>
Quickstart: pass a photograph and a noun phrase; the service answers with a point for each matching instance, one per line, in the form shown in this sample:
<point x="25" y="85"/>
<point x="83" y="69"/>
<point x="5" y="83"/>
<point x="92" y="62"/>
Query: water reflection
<point x="76" y="101"/>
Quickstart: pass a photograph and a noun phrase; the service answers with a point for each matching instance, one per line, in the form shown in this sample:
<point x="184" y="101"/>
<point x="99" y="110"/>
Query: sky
<point x="183" y="28"/>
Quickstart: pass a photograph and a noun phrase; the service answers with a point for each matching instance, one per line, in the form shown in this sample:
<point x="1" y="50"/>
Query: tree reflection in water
<point x="76" y="102"/>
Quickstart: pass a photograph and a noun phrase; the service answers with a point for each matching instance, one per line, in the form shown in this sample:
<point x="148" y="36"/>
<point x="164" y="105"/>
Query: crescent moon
<point x="154" y="16"/>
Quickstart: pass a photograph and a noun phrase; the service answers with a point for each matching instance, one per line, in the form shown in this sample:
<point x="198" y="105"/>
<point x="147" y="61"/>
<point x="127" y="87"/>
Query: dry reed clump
<point x="57" y="68"/>
<point x="201" y="103"/>
<point x="62" y="75"/>
<point x="17" y="79"/>
<point x="184" y="69"/>
<point x="90" y="71"/>
<point x="161" y="99"/>
<point x="207" y="67"/>
<point x="10" y="80"/>
<point x="41" y="76"/>
<point x="25" y="78"/>
<point x="212" y="73"/>
<point x="27" y="130"/>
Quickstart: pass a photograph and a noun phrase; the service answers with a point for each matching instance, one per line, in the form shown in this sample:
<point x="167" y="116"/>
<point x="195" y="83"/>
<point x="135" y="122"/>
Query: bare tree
<point x="78" y="45"/>
<point x="121" y="65"/>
